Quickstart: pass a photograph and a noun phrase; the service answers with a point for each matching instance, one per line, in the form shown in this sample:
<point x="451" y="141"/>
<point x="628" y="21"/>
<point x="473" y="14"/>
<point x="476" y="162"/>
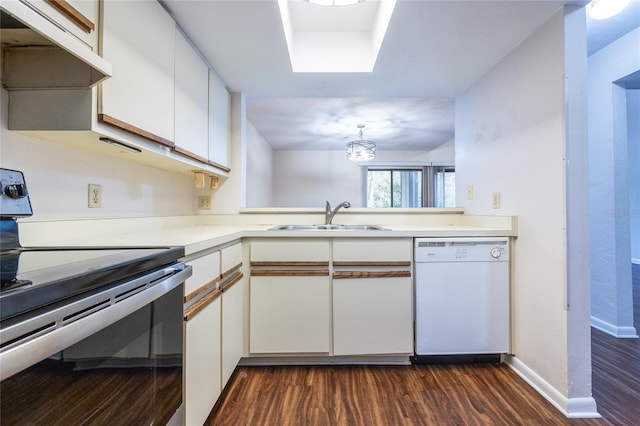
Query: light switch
<point x="470" y="192"/>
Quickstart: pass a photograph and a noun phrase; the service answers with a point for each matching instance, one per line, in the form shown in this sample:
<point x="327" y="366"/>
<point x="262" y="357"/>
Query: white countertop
<point x="194" y="233"/>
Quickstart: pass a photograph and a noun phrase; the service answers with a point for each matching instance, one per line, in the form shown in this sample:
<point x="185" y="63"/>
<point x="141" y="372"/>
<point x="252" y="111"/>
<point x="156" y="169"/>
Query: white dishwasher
<point x="462" y="296"/>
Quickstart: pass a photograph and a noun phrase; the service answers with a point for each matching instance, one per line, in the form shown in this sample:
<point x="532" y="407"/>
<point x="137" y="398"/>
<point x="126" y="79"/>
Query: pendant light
<point x="361" y="149"/>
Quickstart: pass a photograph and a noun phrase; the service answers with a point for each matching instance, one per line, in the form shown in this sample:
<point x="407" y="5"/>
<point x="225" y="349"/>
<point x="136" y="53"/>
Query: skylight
<point x="335" y="39"/>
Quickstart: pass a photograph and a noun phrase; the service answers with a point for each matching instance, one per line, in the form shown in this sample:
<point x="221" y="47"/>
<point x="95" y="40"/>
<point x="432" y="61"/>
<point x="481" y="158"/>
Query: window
<point x="428" y="186"/>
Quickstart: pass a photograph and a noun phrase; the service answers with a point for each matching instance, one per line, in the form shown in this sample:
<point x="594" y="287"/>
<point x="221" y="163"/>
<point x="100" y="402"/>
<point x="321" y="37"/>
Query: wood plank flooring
<point x="481" y="394"/>
<point x="616" y="369"/>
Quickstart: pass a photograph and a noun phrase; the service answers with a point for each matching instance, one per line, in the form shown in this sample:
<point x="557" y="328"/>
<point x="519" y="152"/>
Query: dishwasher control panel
<point x="461" y="249"/>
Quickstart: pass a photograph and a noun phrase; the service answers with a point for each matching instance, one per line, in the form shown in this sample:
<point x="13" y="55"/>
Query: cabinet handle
<point x="373" y="263"/>
<point x="195" y="293"/>
<point x="73" y="14"/>
<point x="231" y="271"/>
<point x="370" y="274"/>
<point x="201" y="304"/>
<point x="226" y="285"/>
<point x="289" y="272"/>
<point x="106" y="119"/>
<point x="290" y="263"/>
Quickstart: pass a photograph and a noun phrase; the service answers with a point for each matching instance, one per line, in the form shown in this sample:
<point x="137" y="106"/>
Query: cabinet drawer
<point x="206" y="270"/>
<point x="368" y="251"/>
<point x="305" y="250"/>
<point x="230" y="258"/>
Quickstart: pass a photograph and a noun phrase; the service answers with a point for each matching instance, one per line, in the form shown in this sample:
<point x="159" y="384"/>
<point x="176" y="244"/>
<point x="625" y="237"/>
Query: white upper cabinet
<point x="77" y="17"/>
<point x="219" y="106"/>
<point x="191" y="85"/>
<point x="138" y="39"/>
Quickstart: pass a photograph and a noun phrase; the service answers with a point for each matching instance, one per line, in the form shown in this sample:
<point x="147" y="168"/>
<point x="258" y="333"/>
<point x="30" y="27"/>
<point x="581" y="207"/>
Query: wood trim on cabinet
<point x="107" y="119"/>
<point x="370" y="274"/>
<point x="290" y="263"/>
<point x="231" y="271"/>
<point x="201" y="304"/>
<point x="226" y="285"/>
<point x="289" y="272"/>
<point x="373" y="263"/>
<point x="201" y="289"/>
<point x="196" y="157"/>
<point x="73" y="14"/>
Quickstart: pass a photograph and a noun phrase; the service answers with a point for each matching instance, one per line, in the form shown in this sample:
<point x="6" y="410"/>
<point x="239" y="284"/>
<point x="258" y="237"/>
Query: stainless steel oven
<point x="88" y="335"/>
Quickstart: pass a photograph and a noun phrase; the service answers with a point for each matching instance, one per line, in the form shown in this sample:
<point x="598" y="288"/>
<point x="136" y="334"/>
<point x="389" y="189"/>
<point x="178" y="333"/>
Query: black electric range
<point x="36" y="277"/>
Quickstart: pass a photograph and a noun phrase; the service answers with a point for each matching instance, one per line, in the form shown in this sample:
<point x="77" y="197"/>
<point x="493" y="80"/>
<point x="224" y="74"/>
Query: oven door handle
<point x="63" y="334"/>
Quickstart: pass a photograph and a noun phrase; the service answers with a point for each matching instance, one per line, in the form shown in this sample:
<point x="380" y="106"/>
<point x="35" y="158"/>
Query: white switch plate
<point x="495" y="200"/>
<point x="95" y="196"/>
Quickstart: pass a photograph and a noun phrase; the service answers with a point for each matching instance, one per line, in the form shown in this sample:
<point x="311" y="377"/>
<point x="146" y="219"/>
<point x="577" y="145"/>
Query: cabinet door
<point x="138" y="39"/>
<point x="202" y="363"/>
<point x="232" y="328"/>
<point x="289" y="314"/>
<point x="233" y="298"/>
<point x="219" y="108"/>
<point x="77" y="17"/>
<point x="192" y="82"/>
<point x="372" y="316"/>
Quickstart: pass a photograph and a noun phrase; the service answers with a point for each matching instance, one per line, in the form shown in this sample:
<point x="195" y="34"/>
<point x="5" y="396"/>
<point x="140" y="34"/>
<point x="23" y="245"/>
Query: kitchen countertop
<point x="196" y="233"/>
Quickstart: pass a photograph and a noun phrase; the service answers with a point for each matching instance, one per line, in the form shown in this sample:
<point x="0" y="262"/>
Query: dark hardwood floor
<point x="481" y="394"/>
<point x="616" y="369"/>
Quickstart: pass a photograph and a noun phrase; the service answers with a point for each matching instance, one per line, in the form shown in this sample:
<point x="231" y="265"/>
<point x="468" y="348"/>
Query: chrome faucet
<point x="329" y="214"/>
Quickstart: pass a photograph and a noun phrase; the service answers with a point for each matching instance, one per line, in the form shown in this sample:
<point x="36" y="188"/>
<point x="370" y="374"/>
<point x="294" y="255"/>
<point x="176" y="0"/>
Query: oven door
<point x="114" y="357"/>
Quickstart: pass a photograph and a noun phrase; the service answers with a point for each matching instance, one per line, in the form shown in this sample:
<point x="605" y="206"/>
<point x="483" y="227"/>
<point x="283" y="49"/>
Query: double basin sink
<point x="329" y="227"/>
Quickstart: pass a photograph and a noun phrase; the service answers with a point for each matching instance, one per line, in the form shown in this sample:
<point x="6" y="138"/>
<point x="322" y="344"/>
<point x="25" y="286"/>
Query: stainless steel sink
<point x="328" y="228"/>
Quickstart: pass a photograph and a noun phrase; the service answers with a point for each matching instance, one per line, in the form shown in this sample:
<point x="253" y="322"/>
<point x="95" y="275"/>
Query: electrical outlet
<point x="95" y="196"/>
<point x="470" y="192"/>
<point x="204" y="202"/>
<point x="495" y="200"/>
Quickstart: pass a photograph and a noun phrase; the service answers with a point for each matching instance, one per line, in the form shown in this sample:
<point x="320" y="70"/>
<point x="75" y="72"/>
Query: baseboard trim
<point x="325" y="360"/>
<point x="625" y="332"/>
<point x="573" y="408"/>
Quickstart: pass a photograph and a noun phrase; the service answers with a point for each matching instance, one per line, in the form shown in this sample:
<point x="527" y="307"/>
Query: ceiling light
<point x="603" y="9"/>
<point x="361" y="149"/>
<point x="334" y="2"/>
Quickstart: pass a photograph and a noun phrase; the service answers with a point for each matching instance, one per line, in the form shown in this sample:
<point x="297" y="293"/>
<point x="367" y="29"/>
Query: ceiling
<point x="432" y="51"/>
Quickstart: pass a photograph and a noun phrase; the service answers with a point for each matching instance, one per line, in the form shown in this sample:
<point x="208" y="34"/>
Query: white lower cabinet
<point x="232" y="310"/>
<point x="372" y="316"/>
<point x="372" y="296"/>
<point x="202" y="372"/>
<point x="290" y="296"/>
<point x="290" y="314"/>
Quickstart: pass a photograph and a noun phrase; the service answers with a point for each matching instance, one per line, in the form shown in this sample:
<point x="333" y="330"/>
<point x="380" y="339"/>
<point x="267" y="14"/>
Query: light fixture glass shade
<point x="361" y="150"/>
<point x="603" y="9"/>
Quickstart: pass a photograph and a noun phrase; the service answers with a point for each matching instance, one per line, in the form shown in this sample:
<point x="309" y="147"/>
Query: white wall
<point x="611" y="287"/>
<point x="633" y="123"/>
<point x="57" y="177"/>
<point x="511" y="138"/>
<point x="231" y="193"/>
<point x="259" y="169"/>
<point x="309" y="178"/>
